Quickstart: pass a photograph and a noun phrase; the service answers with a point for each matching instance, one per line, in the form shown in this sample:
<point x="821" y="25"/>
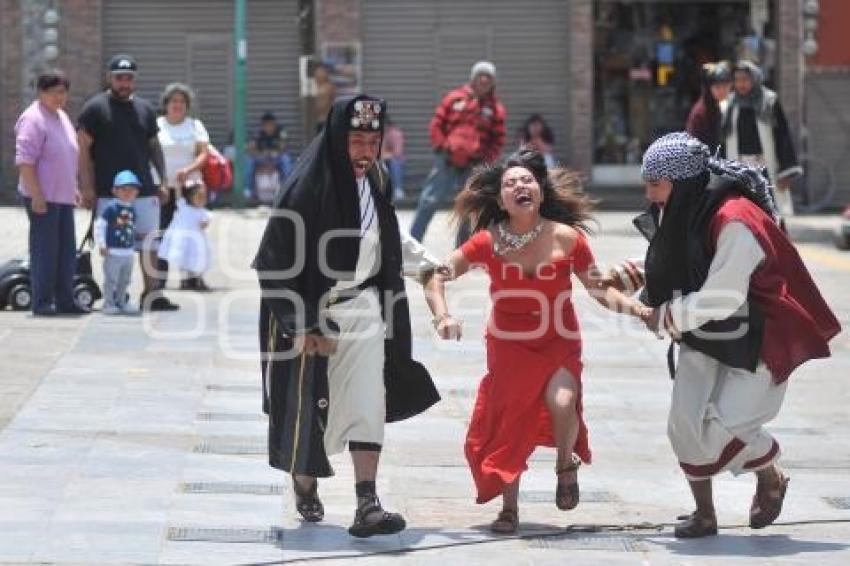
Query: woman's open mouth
<point x="523" y="200"/>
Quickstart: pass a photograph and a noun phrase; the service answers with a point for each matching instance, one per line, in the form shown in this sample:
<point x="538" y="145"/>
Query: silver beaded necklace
<point x="510" y="242"/>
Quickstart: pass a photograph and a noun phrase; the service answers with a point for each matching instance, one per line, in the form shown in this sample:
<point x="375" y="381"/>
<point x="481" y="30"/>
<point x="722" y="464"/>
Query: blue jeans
<point x="53" y="256"/>
<point x="283" y="163"/>
<point x="396" y="168"/>
<point x="443" y="183"/>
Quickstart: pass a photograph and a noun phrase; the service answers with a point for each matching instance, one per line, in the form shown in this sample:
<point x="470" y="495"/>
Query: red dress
<point x="532" y="332"/>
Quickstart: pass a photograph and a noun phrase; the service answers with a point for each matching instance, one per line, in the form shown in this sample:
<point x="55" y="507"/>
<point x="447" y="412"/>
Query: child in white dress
<point x="185" y="244"/>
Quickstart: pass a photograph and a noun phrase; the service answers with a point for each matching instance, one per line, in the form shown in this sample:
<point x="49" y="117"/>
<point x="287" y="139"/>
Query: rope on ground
<point x="531" y="535"/>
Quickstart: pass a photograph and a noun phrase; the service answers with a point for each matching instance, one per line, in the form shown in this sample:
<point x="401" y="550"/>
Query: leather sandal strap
<point x="574" y="465"/>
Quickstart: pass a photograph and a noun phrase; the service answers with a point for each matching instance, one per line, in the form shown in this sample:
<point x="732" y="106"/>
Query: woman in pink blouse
<point x="46" y="154"/>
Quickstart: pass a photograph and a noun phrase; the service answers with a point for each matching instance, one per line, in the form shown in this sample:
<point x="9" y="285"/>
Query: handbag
<point x="217" y="172"/>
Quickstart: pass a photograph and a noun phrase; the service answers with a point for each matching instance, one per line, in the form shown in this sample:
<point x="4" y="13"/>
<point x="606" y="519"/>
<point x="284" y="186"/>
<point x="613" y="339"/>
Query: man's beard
<point x="122" y="94"/>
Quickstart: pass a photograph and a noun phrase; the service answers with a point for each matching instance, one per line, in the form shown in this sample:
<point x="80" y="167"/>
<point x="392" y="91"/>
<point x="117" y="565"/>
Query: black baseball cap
<point x="123" y="65"/>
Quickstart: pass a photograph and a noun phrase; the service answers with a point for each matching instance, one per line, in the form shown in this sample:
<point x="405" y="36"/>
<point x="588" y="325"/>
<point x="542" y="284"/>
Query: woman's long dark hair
<point x="563" y="198"/>
<point x="713" y="73"/>
<point x="545" y="133"/>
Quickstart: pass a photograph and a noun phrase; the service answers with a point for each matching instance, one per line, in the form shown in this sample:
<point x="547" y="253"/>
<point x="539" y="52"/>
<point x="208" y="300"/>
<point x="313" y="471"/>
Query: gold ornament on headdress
<point x="366" y="115"/>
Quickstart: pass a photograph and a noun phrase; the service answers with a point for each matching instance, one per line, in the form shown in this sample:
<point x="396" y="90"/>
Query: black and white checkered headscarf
<point x="675" y="156"/>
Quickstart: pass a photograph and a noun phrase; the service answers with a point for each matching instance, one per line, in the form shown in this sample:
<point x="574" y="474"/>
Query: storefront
<point x="647" y="58"/>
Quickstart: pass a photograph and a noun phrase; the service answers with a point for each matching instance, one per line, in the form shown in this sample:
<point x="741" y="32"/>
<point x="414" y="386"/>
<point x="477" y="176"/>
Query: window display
<point x="647" y="59"/>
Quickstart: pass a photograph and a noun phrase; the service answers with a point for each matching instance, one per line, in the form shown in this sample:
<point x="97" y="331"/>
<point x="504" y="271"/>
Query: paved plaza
<point x="140" y="440"/>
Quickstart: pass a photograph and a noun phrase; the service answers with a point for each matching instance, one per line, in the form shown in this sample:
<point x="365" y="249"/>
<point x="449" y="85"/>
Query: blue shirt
<point x="120" y="225"/>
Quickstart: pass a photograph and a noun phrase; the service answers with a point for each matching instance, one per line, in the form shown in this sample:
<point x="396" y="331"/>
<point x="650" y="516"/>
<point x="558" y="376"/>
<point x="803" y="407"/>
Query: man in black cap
<point x="117" y="131"/>
<point x="334" y="319"/>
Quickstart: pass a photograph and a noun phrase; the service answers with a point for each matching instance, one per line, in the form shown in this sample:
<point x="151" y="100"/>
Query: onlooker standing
<point x="47" y="155"/>
<point x="185" y="244"/>
<point x="115" y="236"/>
<point x="754" y="130"/>
<point x="705" y="117"/>
<point x="118" y="131"/>
<point x="392" y="154"/>
<point x="537" y="135"/>
<point x="268" y="146"/>
<point x="468" y="128"/>
<point x="185" y="147"/>
<point x="325" y="94"/>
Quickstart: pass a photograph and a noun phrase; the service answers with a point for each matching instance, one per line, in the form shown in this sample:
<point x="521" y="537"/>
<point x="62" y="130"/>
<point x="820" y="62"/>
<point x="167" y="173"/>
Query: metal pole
<point x="307" y="43"/>
<point x="241" y="47"/>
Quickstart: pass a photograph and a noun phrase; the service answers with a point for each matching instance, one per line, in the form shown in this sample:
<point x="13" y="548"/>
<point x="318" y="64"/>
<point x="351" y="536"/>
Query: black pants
<point x="166" y="215"/>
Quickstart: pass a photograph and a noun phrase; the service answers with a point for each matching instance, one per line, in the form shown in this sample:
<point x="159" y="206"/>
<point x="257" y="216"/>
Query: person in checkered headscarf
<point x="726" y="285"/>
<point x="335" y="334"/>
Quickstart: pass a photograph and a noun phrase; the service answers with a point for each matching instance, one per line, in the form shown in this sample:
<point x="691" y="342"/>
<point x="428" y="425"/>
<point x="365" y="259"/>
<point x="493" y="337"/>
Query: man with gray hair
<point x="468" y="128"/>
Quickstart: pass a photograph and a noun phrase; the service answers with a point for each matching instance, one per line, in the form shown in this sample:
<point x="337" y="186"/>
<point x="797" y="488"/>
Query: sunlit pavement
<point x="141" y="440"/>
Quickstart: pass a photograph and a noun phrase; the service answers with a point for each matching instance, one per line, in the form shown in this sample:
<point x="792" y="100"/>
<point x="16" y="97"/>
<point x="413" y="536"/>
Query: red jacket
<point x="469" y="129"/>
<point x="798" y="322"/>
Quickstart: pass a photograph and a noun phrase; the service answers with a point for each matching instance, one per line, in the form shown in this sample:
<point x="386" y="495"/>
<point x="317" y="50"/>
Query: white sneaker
<point x="129" y="309"/>
<point x="110" y="310"/>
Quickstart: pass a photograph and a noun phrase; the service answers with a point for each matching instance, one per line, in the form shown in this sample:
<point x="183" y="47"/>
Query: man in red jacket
<point x="468" y="128"/>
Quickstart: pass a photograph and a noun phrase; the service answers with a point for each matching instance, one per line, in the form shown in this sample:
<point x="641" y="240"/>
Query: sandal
<point x="506" y="523"/>
<point x="371" y="519"/>
<point x="696" y="526"/>
<point x="767" y="503"/>
<point x="307" y="503"/>
<point x="567" y="495"/>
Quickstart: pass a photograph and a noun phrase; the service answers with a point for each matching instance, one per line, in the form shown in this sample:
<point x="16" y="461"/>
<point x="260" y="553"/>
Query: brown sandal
<point x="507" y="522"/>
<point x="767" y="503"/>
<point x="307" y="502"/>
<point x="567" y="495"/>
<point x="696" y="526"/>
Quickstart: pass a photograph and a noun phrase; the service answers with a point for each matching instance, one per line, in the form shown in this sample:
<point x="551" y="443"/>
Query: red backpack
<point x="217" y="172"/>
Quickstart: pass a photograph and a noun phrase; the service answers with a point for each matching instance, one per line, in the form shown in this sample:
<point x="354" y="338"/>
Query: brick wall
<point x="80" y="49"/>
<point x="790" y="60"/>
<point x="79" y="56"/>
<point x="580" y="28"/>
<point x="10" y="94"/>
<point x="337" y="20"/>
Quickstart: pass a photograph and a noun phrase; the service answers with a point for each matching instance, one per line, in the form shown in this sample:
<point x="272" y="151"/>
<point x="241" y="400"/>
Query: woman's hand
<point x="88" y="199"/>
<point x="163" y="194"/>
<point x="448" y="328"/>
<point x="640" y="310"/>
<point x="39" y="205"/>
<point x="181" y="176"/>
<point x="650" y="318"/>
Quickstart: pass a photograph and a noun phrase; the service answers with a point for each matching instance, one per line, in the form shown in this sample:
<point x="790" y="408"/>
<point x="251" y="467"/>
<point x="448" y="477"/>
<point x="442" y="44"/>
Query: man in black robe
<point x="334" y="320"/>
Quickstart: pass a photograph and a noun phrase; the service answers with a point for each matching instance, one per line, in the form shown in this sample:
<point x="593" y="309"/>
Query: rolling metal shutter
<point x="192" y="42"/>
<point x="414" y="52"/>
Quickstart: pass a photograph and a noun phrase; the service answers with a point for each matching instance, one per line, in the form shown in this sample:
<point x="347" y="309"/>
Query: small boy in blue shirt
<point x="115" y="235"/>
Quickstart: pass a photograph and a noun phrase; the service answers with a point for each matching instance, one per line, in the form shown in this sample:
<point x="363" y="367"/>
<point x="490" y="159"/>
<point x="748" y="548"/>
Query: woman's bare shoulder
<point x="565" y="235"/>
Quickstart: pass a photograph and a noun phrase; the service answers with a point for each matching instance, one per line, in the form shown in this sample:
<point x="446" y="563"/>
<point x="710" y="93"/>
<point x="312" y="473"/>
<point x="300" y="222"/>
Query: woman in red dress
<point x="530" y="224"/>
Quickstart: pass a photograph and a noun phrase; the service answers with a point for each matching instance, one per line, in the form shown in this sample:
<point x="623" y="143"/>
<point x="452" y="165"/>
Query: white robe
<point x="357" y="406"/>
<point x="717" y="412"/>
